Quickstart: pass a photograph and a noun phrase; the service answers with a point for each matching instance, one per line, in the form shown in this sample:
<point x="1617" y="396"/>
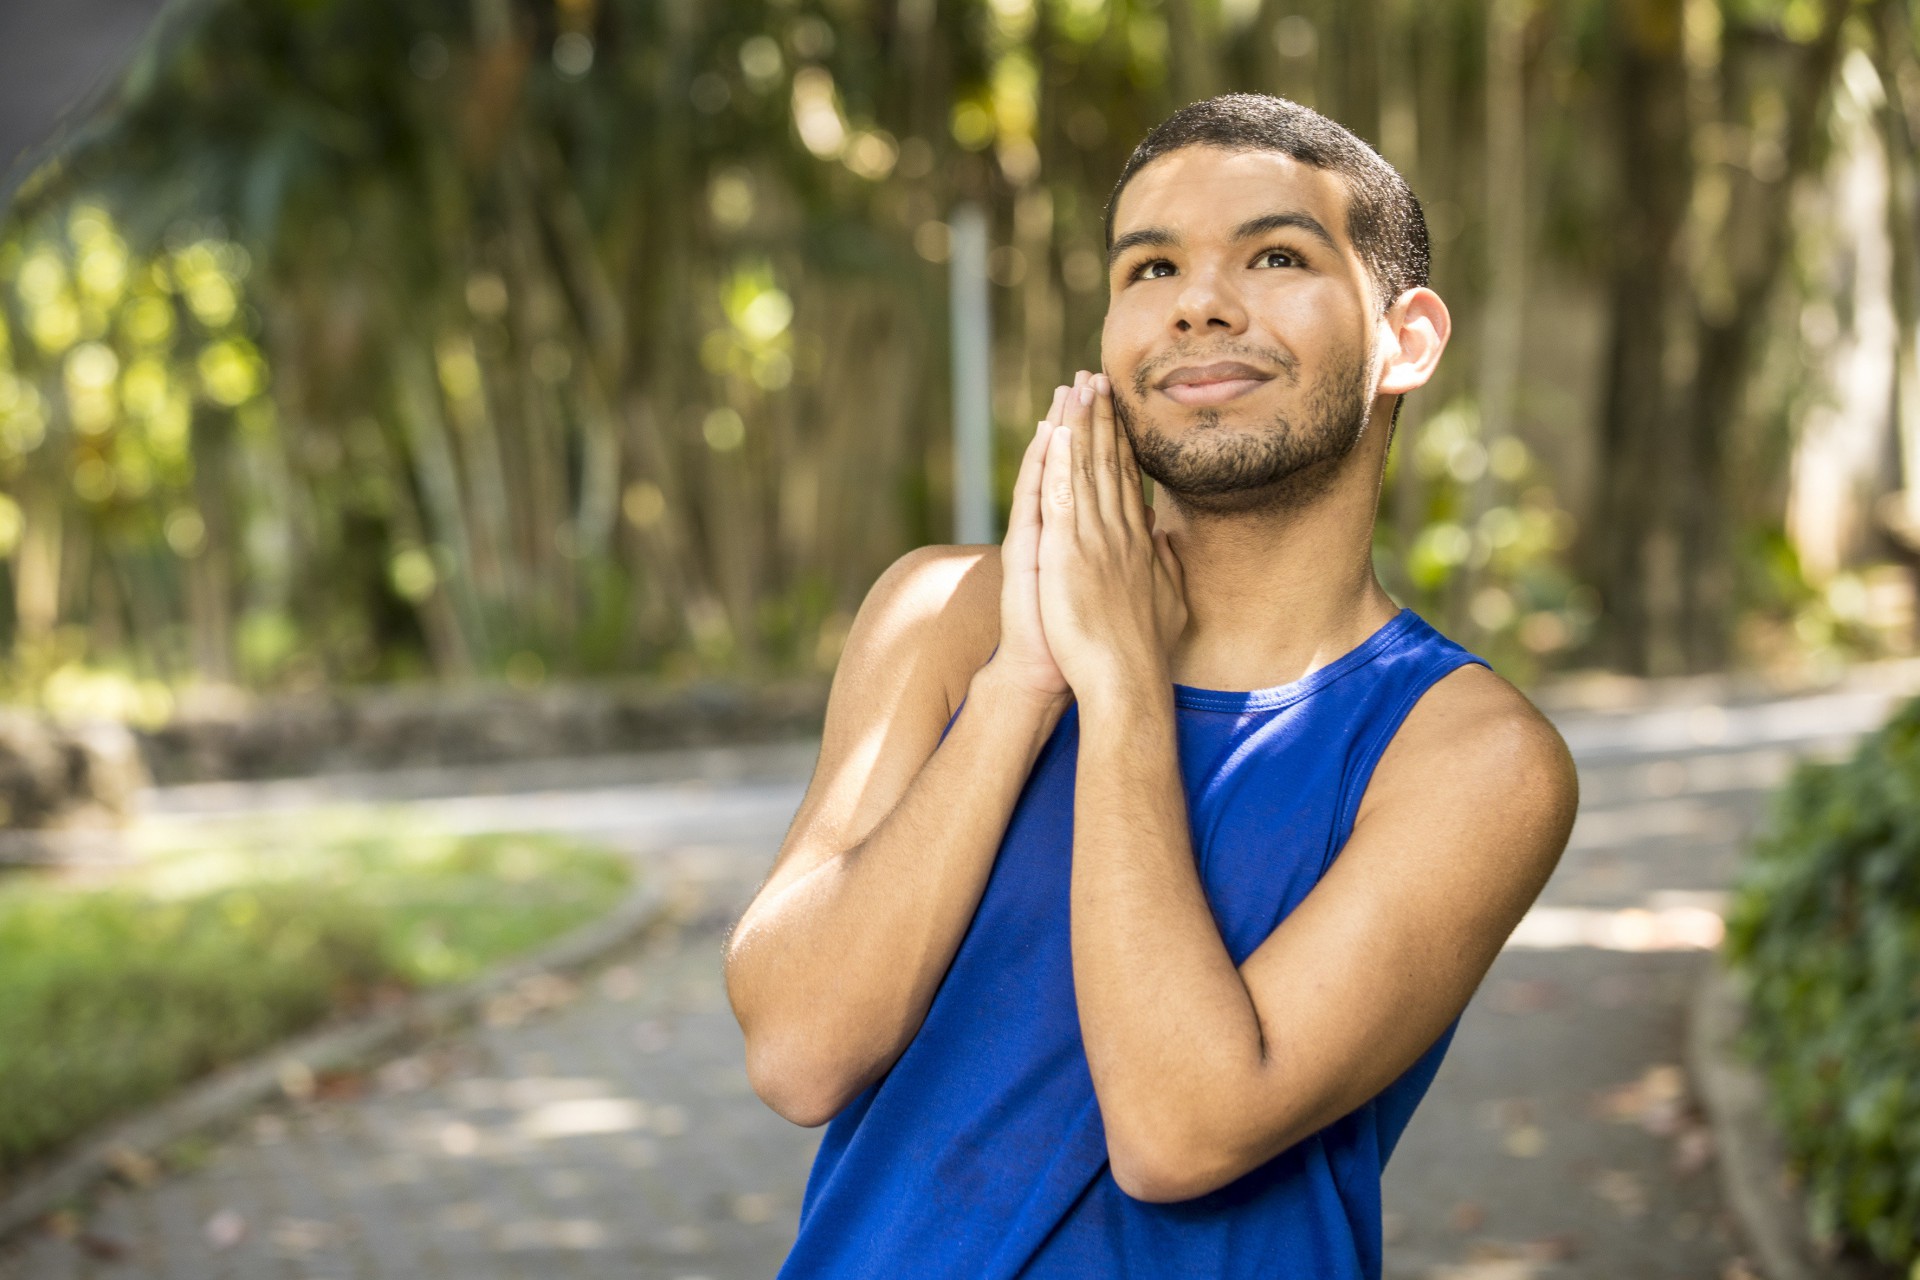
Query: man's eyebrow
<point x="1284" y="221"/>
<point x="1159" y="237"/>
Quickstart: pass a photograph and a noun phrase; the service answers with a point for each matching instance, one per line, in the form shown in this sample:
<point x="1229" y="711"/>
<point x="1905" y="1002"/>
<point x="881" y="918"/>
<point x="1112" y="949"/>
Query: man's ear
<point x="1418" y="327"/>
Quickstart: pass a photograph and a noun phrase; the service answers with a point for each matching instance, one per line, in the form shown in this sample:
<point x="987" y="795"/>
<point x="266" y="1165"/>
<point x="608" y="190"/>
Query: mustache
<point x="1271" y="357"/>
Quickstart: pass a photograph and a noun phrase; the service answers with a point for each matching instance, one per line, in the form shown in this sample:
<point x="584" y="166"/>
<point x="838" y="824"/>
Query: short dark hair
<point x="1384" y="220"/>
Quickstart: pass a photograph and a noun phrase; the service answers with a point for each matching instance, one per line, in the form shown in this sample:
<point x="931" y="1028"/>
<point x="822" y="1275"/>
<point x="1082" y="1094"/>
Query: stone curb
<point x="228" y="1093"/>
<point x="1748" y="1150"/>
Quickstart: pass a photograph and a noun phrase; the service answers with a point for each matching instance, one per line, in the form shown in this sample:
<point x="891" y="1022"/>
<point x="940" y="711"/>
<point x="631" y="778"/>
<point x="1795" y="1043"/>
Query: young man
<point x="1151" y="857"/>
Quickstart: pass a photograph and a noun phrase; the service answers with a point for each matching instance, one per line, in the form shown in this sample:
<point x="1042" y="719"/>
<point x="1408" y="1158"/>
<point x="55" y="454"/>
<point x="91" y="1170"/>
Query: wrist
<point x="1125" y="688"/>
<point x="996" y="687"/>
<point x="1126" y="702"/>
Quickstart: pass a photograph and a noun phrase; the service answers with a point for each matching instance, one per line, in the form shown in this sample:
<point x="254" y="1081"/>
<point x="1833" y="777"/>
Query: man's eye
<point x="1151" y="270"/>
<point x="1278" y="258"/>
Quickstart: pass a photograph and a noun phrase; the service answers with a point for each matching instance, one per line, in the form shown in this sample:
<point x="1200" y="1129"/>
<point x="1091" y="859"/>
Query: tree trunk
<point x="1647" y="91"/>
<point x="1756" y="241"/>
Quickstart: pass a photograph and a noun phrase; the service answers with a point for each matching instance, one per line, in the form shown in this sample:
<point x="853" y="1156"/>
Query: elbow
<point x="1169" y="1157"/>
<point x="797" y="1086"/>
<point x="1163" y="1177"/>
<point x="1165" y="1168"/>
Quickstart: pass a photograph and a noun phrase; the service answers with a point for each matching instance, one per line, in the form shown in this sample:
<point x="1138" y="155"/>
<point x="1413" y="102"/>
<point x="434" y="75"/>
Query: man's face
<point x="1238" y="331"/>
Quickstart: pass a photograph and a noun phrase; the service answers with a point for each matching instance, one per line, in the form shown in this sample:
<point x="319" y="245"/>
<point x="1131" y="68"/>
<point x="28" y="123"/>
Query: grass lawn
<point x="115" y="994"/>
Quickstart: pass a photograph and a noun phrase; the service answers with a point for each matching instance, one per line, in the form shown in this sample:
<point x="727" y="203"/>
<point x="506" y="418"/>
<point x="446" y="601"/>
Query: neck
<point x="1274" y="593"/>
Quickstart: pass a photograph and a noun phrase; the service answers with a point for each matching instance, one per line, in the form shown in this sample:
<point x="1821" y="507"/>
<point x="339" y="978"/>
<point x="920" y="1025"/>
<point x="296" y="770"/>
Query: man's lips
<point x="1205" y="384"/>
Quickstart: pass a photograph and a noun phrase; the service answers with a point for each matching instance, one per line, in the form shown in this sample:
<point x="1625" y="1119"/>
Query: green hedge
<point x="1825" y="928"/>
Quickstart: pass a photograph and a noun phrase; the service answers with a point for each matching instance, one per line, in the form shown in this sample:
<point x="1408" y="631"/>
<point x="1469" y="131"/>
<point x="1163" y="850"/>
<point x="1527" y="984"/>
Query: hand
<point x="1112" y="594"/>
<point x="1023" y="656"/>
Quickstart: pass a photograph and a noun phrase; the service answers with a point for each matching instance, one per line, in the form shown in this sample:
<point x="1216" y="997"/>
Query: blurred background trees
<point x="352" y="340"/>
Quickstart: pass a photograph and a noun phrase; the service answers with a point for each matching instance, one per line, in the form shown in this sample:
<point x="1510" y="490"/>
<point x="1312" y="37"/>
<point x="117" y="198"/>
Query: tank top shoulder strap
<point x="1418" y="658"/>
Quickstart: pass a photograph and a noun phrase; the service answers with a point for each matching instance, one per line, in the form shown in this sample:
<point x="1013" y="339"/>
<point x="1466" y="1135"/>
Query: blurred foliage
<point x="1826" y="931"/>
<point x="112" y="997"/>
<point x="1505" y="562"/>
<point x="364" y="339"/>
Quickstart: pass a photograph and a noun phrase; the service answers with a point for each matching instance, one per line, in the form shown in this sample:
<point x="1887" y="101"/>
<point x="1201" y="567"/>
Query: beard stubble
<point x="1278" y="466"/>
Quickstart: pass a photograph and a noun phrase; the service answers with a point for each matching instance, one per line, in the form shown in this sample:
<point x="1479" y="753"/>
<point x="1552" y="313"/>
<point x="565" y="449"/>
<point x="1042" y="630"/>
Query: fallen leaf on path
<point x="1693" y="1149"/>
<point x="225" y="1229"/>
<point x="1622" y="1189"/>
<point x="102" y="1248"/>
<point x="620" y="983"/>
<point x="296" y="1079"/>
<point x="1656" y="1101"/>
<point x="299" y="1236"/>
<point x="1505" y="1113"/>
<point x="1524" y="1141"/>
<point x="458" y="1138"/>
<point x="340" y="1086"/>
<point x="754" y="1207"/>
<point x="404" y="1075"/>
<point x="135" y="1167"/>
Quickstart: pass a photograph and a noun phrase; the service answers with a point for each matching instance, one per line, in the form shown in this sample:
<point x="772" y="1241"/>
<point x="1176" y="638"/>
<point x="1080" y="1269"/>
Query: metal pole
<point x="972" y="379"/>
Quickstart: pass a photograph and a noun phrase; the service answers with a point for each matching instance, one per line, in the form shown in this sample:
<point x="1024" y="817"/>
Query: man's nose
<point x="1208" y="304"/>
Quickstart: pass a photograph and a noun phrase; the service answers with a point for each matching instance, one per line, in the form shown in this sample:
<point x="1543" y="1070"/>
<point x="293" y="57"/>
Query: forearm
<point x="1171" y="1033"/>
<point x="831" y="972"/>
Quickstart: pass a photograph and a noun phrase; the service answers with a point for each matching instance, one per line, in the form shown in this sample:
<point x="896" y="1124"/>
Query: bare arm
<point x="1204" y="1069"/>
<point x="833" y="965"/>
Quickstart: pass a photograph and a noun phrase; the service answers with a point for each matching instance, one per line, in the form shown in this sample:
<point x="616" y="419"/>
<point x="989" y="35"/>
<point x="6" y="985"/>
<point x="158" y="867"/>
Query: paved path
<point x="606" y="1130"/>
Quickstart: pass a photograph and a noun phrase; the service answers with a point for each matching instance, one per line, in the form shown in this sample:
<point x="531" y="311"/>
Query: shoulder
<point x="941" y="602"/>
<point x="1475" y="750"/>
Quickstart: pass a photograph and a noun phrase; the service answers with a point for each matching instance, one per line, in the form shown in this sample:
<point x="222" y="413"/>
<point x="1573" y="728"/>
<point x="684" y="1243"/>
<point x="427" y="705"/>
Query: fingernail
<point x="1086" y="395"/>
<point x="1043" y="425"/>
<point x="1080" y="378"/>
<point x="1102" y="384"/>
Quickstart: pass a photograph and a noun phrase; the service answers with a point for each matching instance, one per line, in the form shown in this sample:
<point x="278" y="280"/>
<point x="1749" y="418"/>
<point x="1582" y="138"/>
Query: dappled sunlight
<point x="581" y="1116"/>
<point x="526" y="1092"/>
<point x="1664" y="926"/>
<point x="550" y="1233"/>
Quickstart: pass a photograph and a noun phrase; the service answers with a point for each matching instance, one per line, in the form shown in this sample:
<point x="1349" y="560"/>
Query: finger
<point x="1023" y="515"/>
<point x="1079" y="420"/>
<point x="1150" y="516"/>
<point x="1057" y="490"/>
<point x="1059" y="404"/>
<point x="1113" y="461"/>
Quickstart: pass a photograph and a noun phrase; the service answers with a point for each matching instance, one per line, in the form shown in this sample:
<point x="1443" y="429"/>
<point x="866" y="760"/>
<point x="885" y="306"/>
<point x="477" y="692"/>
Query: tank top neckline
<point x="1280" y="695"/>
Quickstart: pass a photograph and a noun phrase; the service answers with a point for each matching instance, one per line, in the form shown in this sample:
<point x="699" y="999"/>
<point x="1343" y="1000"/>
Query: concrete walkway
<point x="606" y="1129"/>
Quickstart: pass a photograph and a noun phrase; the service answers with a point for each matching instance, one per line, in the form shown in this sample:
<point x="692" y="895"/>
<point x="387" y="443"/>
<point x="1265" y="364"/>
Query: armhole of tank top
<point x="1354" y="788"/>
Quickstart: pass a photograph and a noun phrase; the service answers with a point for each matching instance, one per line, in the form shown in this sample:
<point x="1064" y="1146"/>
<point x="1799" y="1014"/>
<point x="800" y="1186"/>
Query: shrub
<point x="1825" y="929"/>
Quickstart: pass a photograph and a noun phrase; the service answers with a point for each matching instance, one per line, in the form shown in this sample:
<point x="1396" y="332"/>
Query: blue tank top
<point x="980" y="1154"/>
